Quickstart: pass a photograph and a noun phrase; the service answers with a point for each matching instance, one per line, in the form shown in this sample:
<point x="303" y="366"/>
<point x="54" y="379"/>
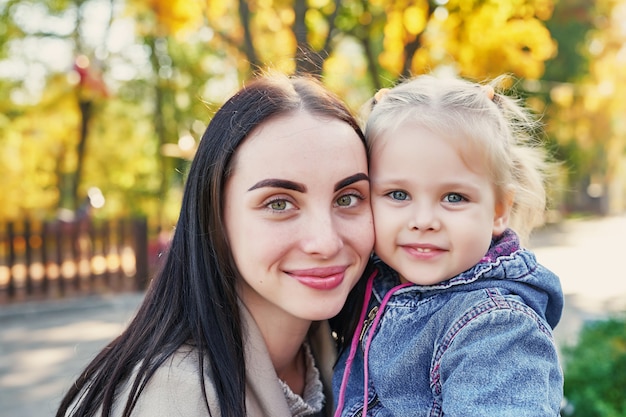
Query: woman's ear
<point x="502" y="213"/>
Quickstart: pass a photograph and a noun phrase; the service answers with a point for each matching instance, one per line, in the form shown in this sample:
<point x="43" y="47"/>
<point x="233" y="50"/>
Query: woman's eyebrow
<point x="296" y="186"/>
<point x="278" y="183"/>
<point x="351" y="180"/>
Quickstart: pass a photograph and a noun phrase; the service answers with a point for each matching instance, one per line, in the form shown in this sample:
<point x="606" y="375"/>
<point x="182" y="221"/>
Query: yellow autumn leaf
<point x="178" y="16"/>
<point x="394" y="27"/>
<point x="318" y="28"/>
<point x="414" y="19"/>
<point x="391" y="60"/>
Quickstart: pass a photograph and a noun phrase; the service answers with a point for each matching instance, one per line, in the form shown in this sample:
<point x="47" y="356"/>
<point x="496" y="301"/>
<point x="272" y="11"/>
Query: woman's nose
<point x="322" y="236"/>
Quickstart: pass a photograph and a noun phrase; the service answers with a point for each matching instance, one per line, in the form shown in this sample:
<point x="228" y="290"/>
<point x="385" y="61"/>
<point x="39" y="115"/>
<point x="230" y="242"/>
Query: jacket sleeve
<point x="499" y="362"/>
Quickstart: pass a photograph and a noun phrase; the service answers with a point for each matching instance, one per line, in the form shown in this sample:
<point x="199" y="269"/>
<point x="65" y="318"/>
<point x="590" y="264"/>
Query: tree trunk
<point x="244" y="16"/>
<point x="85" y="107"/>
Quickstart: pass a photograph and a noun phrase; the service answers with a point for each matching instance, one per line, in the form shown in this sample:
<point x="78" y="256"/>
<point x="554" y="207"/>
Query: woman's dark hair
<point x="344" y="324"/>
<point x="193" y="298"/>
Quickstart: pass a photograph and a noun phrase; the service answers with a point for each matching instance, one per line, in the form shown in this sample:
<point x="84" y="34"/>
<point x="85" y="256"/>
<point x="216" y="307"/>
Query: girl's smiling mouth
<point x="422" y="251"/>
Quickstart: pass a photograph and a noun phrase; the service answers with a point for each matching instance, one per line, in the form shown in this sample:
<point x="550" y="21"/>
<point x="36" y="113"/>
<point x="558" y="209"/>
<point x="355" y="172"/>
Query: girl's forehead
<point x="473" y="151"/>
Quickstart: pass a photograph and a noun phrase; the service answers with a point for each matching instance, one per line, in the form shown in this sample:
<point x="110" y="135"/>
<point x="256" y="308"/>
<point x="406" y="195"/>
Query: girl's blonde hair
<point x="481" y="120"/>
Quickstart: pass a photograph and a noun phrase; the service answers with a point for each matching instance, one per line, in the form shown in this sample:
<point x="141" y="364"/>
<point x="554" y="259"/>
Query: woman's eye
<point x="279" y="205"/>
<point x="398" y="195"/>
<point x="453" y="198"/>
<point x="348" y="200"/>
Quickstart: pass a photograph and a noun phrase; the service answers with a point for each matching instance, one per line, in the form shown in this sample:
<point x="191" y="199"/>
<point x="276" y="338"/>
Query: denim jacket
<point x="478" y="344"/>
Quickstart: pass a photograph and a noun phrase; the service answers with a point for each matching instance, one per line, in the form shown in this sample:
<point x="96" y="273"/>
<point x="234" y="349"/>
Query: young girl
<point x="458" y="316"/>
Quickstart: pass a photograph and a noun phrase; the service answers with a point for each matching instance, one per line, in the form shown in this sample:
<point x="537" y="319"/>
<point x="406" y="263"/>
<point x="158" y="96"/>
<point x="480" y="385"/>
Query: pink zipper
<point x="355" y="342"/>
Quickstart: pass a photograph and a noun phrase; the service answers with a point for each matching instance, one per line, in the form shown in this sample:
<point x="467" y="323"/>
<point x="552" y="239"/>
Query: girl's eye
<point x="279" y="205"/>
<point x="453" y="198"/>
<point x="348" y="200"/>
<point x="398" y="195"/>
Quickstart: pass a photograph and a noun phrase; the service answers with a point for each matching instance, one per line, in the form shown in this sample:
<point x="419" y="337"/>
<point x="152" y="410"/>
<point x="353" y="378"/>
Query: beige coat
<point x="174" y="390"/>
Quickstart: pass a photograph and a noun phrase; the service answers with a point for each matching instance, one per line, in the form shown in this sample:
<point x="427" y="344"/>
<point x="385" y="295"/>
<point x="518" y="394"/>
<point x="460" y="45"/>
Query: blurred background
<point x="103" y="103"/>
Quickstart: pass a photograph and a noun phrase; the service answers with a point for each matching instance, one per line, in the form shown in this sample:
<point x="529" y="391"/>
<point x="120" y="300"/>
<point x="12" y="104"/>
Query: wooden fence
<point x="44" y="260"/>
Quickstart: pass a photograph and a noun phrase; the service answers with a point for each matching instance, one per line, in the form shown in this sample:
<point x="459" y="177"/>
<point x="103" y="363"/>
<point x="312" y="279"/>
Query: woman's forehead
<point x="300" y="144"/>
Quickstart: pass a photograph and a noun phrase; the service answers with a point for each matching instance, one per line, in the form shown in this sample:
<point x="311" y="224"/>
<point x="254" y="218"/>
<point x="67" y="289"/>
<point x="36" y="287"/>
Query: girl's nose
<point x="424" y="218"/>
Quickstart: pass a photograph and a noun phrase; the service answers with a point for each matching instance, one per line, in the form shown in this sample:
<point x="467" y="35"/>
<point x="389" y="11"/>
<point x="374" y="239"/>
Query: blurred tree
<point x="32" y="28"/>
<point x="570" y="26"/>
<point x="146" y="75"/>
<point x="583" y="93"/>
<point x="35" y="143"/>
<point x="561" y="97"/>
<point x="149" y="83"/>
<point x="606" y="97"/>
<point x="477" y="39"/>
<point x="395" y="39"/>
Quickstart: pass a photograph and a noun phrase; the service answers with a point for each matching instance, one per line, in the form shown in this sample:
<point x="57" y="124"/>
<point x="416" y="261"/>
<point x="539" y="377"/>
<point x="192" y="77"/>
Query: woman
<point x="274" y="231"/>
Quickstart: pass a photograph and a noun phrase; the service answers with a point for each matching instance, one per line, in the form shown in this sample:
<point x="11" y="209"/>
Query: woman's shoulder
<point x="184" y="361"/>
<point x="173" y="389"/>
<point x="183" y="366"/>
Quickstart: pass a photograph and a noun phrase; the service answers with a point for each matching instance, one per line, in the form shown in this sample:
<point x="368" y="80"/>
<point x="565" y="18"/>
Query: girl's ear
<point x="503" y="208"/>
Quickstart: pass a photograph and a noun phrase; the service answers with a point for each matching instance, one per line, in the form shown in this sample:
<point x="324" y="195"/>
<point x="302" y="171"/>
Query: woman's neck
<point x="284" y="335"/>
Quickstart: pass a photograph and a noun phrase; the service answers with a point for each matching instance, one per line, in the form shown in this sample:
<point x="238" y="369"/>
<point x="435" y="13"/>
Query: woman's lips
<point x="325" y="278"/>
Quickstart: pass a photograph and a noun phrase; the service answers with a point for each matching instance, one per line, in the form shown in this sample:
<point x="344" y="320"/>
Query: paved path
<point x="588" y="256"/>
<point x="44" y="347"/>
